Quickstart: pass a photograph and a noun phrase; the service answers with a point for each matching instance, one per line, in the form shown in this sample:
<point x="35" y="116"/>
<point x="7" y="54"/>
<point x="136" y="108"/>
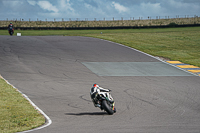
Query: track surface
<point x="51" y="71"/>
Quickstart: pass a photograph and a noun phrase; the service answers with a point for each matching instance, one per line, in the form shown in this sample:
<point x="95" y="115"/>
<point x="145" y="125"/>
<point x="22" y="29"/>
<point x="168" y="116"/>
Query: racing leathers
<point x="94" y="93"/>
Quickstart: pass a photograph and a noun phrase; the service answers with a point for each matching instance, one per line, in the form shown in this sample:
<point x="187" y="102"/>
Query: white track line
<point x="48" y="120"/>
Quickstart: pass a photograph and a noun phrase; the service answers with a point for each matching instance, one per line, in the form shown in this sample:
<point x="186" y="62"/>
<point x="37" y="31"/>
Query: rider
<point x="10" y="26"/>
<point x="94" y="94"/>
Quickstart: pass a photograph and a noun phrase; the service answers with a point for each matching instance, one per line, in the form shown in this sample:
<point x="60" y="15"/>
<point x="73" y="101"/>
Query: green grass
<point x="17" y="114"/>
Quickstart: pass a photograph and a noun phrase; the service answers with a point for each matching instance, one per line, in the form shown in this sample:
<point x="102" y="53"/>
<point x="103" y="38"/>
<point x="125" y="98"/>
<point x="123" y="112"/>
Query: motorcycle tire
<point x="107" y="108"/>
<point x="11" y="33"/>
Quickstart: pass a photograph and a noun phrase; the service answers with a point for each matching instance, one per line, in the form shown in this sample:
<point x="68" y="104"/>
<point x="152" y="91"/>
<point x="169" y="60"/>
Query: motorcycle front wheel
<point x="107" y="108"/>
<point x="11" y="33"/>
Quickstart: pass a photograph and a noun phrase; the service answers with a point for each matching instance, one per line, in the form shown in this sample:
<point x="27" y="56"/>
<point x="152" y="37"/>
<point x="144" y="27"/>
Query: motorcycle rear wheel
<point x="107" y="108"/>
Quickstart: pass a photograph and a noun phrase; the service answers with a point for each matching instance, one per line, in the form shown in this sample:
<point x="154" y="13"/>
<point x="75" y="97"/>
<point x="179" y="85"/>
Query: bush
<point x="173" y="24"/>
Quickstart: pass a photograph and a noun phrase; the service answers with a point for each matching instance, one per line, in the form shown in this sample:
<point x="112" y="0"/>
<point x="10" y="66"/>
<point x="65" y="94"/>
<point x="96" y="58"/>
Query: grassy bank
<point x="103" y="23"/>
<point x="17" y="114"/>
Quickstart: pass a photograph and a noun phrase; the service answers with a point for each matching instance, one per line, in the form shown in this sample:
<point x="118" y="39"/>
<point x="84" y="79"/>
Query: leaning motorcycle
<point x="11" y="31"/>
<point x="106" y="101"/>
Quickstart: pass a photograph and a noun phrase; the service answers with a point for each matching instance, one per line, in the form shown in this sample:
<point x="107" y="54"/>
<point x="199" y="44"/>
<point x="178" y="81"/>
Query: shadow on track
<point x="87" y="113"/>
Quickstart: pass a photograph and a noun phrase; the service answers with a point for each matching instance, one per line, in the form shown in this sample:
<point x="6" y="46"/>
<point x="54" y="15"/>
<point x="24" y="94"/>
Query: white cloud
<point x="66" y="9"/>
<point x="119" y="8"/>
<point x="88" y="6"/>
<point x="46" y="5"/>
<point x="66" y="5"/>
<point x="33" y="3"/>
<point x="99" y="12"/>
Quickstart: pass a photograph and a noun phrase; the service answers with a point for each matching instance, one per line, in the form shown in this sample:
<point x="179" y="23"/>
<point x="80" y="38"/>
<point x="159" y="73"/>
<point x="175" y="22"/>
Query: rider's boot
<point x="97" y="105"/>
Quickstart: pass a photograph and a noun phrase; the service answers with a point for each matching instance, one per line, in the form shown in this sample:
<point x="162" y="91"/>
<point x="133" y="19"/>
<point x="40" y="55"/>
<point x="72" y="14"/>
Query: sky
<point x="99" y="9"/>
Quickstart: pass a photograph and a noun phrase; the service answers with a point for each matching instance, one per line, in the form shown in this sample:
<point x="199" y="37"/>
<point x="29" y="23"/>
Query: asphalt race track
<point x="57" y="72"/>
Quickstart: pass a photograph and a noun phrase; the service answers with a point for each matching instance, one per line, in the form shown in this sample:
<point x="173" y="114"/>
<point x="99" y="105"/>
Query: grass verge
<point x="17" y="114"/>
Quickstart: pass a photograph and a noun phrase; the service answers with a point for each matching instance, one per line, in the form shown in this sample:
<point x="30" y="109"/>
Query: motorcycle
<point x="106" y="102"/>
<point x="11" y="31"/>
